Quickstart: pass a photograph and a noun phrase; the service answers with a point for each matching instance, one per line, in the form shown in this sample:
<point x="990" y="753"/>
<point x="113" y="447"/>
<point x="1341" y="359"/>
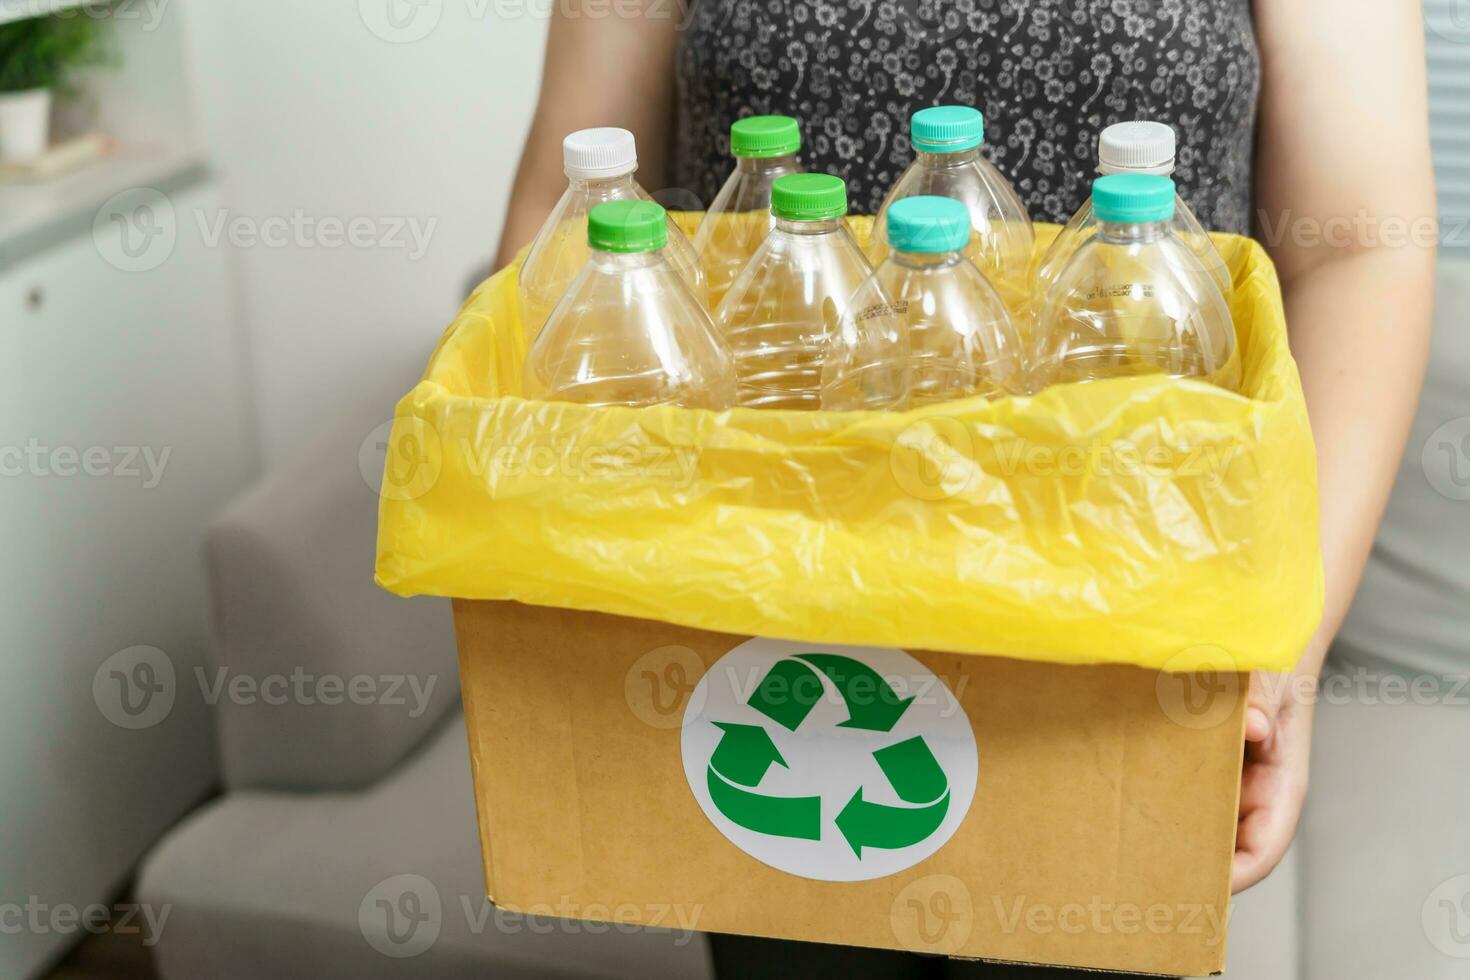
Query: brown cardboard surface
<point x="1100" y="835"/>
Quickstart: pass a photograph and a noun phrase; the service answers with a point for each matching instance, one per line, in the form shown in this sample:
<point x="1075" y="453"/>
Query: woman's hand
<point x="1273" y="783"/>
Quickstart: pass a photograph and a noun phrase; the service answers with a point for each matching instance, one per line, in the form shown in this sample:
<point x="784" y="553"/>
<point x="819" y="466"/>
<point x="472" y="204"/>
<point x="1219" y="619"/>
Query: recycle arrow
<point x="872" y="704"/>
<point x="786" y="695"/>
<point x="792" y="687"/>
<point x="917" y="778"/>
<point x="744" y="754"/>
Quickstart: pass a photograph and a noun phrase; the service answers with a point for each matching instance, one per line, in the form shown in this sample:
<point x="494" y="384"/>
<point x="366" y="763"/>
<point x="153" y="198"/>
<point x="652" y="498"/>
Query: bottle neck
<point x="604" y="187"/>
<point x="949" y="161"/>
<point x="762" y="166"/>
<point x="825" y="226"/>
<point x="1132" y="233"/>
<point x="627" y="261"/>
<point x="1165" y="169"/>
<point x="927" y="260"/>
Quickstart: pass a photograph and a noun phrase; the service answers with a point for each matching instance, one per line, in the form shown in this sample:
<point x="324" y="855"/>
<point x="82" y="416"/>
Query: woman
<point x="1302" y="121"/>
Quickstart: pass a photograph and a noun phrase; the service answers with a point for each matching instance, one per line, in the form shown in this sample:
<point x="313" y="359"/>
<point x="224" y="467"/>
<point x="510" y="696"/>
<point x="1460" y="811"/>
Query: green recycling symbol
<point x="864" y="717"/>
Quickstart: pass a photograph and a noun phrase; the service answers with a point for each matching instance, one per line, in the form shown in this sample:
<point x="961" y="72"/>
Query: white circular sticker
<point x="833" y="763"/>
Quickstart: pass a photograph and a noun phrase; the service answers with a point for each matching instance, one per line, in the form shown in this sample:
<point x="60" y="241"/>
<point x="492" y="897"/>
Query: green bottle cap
<point x="809" y="197"/>
<point x="947" y="129"/>
<point x="759" y="137"/>
<point x="928" y="225"/>
<point x="1133" y="198"/>
<point x="627" y="226"/>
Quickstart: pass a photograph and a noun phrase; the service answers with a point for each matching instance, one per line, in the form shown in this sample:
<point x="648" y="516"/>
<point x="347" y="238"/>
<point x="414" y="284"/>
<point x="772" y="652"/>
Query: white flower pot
<point x="25" y="124"/>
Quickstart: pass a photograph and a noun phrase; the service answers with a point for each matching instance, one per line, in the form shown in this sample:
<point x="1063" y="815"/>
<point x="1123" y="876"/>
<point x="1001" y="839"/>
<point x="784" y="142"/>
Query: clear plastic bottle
<point x="739" y="219"/>
<point x="1136" y="148"/>
<point x="629" y="331"/>
<point x="600" y="164"/>
<point x="961" y="339"/>
<point x="784" y="310"/>
<point x="1134" y="299"/>
<point x="949" y="163"/>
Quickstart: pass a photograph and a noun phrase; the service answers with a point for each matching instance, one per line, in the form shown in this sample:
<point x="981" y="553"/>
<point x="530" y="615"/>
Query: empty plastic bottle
<point x="629" y="331"/>
<point x="947" y="140"/>
<point x="784" y="310"/>
<point x="961" y="339"/>
<point x="739" y="219"/>
<point x="1138" y="148"/>
<point x="600" y="164"/>
<point x="1134" y="299"/>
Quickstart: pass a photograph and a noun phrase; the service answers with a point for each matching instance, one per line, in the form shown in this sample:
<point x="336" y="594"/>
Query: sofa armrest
<point x="318" y="678"/>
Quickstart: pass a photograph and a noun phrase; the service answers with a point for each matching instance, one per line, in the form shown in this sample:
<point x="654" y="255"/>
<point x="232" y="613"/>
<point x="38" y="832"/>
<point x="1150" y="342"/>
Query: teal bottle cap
<point x="809" y="197"/>
<point x="928" y="224"/>
<point x="759" y="137"/>
<point x="947" y="129"/>
<point x="1133" y="198"/>
<point x="627" y="226"/>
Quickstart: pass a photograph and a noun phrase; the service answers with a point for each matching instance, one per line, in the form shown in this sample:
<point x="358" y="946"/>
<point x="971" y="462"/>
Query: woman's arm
<point x="606" y="65"/>
<point x="1346" y="205"/>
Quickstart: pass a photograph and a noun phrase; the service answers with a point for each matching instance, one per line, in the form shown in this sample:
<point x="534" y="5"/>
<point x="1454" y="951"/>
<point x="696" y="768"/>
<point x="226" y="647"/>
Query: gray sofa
<point x="345" y="843"/>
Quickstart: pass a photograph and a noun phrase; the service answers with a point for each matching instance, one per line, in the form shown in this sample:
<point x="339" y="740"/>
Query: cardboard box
<point x="1010" y="811"/>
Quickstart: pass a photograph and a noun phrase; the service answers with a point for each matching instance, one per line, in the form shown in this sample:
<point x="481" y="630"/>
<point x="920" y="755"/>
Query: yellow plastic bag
<point x="1150" y="521"/>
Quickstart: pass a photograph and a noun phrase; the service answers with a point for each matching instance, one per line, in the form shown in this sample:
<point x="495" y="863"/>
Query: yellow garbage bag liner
<point x="1151" y="521"/>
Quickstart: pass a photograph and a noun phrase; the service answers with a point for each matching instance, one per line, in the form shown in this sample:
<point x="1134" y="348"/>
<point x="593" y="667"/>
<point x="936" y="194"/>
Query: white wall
<point x="307" y="106"/>
<point x="100" y="566"/>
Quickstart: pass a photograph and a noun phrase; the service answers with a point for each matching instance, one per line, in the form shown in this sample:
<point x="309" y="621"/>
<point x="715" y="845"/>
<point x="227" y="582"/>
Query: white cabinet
<point x="124" y="429"/>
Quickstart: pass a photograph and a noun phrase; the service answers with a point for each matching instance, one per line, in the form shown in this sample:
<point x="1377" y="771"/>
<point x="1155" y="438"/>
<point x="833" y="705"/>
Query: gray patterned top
<point x="1048" y="74"/>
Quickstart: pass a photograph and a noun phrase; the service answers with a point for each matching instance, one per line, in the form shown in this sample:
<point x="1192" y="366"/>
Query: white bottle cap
<point x="1136" y="147"/>
<point x="590" y="154"/>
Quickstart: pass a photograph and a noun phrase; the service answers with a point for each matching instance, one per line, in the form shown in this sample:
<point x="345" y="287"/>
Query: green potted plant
<point x="37" y="58"/>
